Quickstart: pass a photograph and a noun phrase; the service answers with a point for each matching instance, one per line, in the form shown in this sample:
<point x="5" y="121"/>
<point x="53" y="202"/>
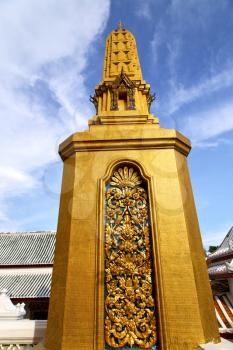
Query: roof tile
<point x="27" y="248"/>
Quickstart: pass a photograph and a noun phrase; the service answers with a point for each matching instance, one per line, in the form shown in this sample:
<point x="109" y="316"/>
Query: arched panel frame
<point x="99" y="339"/>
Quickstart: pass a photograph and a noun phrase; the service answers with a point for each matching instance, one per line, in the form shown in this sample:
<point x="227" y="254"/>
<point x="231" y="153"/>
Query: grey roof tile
<point x="27" y="248"/>
<point x="228" y="240"/>
<point x="29" y="284"/>
<point x="225" y="248"/>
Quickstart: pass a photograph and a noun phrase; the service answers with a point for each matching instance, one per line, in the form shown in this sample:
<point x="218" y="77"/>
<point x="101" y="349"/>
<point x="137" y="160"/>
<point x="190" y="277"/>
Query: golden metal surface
<point x="128" y="135"/>
<point x="121" y="52"/>
<point x="129" y="303"/>
<point x="122" y="96"/>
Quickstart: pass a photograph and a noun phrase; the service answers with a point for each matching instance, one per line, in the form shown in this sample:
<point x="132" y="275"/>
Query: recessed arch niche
<point x="130" y="306"/>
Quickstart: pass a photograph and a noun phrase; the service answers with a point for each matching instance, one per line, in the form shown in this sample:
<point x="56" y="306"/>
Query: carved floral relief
<point x="130" y="316"/>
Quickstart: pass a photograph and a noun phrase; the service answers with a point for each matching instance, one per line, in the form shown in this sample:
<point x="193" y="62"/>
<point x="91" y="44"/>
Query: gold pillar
<point x="183" y="302"/>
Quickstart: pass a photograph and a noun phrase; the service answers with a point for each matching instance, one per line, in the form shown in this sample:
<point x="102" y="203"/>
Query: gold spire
<point x="121" y="51"/>
<point x="122" y="96"/>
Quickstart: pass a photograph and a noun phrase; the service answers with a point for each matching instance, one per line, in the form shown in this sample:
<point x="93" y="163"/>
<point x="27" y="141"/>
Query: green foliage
<point x="212" y="248"/>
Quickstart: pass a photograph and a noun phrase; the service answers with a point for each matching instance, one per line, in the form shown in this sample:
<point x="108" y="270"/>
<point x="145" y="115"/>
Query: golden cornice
<point x="85" y="142"/>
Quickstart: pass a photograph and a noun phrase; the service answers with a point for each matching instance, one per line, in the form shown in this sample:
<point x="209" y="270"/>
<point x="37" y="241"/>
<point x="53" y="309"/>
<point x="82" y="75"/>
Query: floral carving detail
<point x="129" y="302"/>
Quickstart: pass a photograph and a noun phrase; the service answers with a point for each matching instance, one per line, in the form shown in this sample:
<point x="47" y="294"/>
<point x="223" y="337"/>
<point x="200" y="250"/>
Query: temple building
<point x="26" y="261"/>
<point x="220" y="268"/>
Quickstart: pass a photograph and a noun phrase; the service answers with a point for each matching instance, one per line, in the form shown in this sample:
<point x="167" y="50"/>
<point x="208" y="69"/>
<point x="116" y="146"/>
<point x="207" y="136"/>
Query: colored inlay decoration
<point x="130" y="316"/>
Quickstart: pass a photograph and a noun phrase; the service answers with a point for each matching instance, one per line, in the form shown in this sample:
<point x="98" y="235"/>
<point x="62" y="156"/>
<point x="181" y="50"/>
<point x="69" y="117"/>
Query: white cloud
<point x="159" y="38"/>
<point x="207" y="144"/>
<point x="13" y="179"/>
<point x="44" y="47"/>
<point x="209" y="123"/>
<point x="173" y="48"/>
<point x="143" y="9"/>
<point x="183" y="95"/>
<point x="193" y="13"/>
<point x="181" y="23"/>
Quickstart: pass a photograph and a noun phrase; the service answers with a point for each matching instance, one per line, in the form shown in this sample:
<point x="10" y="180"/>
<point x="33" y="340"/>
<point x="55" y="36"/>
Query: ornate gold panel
<point x="130" y="314"/>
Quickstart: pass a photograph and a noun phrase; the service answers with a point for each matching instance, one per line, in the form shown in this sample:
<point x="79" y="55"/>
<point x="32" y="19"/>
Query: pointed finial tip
<point x="120" y="25"/>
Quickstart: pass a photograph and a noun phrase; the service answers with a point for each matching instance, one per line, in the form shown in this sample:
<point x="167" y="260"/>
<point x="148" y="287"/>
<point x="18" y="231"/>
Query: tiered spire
<point x="122" y="96"/>
<point x="121" y="51"/>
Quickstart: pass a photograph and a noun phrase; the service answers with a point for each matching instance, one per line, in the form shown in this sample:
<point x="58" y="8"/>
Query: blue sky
<point x="51" y="58"/>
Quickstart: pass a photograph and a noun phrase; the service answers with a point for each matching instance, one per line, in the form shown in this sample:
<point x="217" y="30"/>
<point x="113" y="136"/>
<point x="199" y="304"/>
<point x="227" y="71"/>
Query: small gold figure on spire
<point x="120" y="25"/>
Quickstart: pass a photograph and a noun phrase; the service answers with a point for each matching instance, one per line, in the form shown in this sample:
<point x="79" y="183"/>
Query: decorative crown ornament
<point x="126" y="177"/>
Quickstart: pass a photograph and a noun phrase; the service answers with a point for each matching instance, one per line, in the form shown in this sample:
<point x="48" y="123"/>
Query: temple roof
<point x="23" y="260"/>
<point x="228" y="240"/>
<point x="220" y="263"/>
<point x="26" y="283"/>
<point x="27" y="248"/>
<point x="220" y="270"/>
<point x="225" y="250"/>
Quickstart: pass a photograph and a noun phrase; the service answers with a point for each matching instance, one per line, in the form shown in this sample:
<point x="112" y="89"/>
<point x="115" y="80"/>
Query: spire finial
<point x="120" y="25"/>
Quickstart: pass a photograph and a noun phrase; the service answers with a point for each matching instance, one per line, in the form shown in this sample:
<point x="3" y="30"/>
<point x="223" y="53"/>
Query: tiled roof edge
<point x="28" y="232"/>
<point x="223" y="252"/>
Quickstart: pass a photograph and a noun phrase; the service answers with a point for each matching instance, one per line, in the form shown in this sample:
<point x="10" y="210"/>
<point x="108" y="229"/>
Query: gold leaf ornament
<point x="125" y="178"/>
<point x="130" y="317"/>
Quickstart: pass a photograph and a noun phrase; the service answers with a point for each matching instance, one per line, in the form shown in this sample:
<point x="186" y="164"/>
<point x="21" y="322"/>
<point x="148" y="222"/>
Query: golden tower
<point x="129" y="268"/>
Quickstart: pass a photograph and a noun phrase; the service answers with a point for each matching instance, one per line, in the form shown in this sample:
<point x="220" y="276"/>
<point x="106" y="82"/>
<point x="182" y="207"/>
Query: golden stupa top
<point x="121" y="54"/>
<point x="122" y="97"/>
